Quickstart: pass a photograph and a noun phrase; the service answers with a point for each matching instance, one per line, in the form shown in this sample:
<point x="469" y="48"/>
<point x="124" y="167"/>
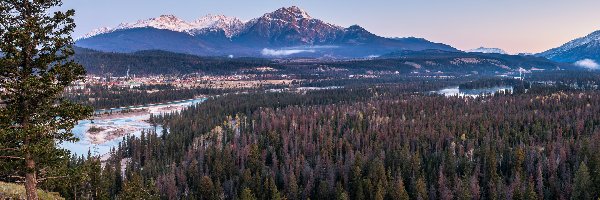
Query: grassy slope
<point x="17" y="191"/>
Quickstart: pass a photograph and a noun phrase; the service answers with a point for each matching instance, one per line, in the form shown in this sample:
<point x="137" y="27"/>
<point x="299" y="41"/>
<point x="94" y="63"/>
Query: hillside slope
<point x="16" y="191"/>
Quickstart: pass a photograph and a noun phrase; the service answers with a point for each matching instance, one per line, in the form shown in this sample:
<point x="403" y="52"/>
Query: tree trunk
<point x="30" y="178"/>
<point x="30" y="173"/>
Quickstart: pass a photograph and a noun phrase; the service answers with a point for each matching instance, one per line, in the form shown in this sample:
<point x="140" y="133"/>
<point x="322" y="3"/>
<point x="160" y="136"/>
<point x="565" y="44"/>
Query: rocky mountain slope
<point x="583" y="48"/>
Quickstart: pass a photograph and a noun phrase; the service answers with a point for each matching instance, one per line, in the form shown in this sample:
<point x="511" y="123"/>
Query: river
<point x="455" y="91"/>
<point x="108" y="131"/>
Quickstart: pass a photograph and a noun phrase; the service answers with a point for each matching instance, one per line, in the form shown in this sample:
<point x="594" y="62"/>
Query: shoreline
<point x="108" y="129"/>
<point x="145" y="106"/>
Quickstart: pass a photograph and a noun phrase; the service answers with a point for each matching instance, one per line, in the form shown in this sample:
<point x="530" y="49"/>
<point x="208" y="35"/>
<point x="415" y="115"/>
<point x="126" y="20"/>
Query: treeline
<point x="566" y="76"/>
<point x="489" y="83"/>
<point x="153" y="62"/>
<point x="161" y="62"/>
<point x="419" y="84"/>
<point x="368" y="144"/>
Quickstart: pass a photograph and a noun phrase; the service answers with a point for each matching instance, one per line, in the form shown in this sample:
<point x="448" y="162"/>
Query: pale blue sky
<point x="513" y="25"/>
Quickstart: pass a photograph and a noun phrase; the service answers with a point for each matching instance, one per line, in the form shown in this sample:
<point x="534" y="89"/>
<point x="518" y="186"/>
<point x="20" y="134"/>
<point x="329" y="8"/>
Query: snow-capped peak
<point x="167" y="22"/>
<point x="287" y="14"/>
<point x="230" y="25"/>
<point x="212" y="19"/>
<point x="298" y="12"/>
<point x="592" y="37"/>
<point x="95" y="32"/>
<point x="487" y="50"/>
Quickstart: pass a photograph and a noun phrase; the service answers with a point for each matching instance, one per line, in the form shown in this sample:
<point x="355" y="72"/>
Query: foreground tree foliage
<point x="35" y="69"/>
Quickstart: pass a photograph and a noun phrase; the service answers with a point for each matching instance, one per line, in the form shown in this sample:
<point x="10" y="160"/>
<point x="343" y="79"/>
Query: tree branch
<point x="19" y="177"/>
<point x="12" y="157"/>
<point x="52" y="177"/>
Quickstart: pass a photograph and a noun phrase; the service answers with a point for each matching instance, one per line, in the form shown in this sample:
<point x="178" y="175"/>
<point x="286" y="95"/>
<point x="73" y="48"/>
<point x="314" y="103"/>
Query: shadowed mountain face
<point x="283" y="33"/>
<point x="583" y="48"/>
<point x="289" y="27"/>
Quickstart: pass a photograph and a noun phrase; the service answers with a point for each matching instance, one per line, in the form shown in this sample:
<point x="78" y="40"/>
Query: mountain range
<point x="229" y="25"/>
<point x="285" y="32"/>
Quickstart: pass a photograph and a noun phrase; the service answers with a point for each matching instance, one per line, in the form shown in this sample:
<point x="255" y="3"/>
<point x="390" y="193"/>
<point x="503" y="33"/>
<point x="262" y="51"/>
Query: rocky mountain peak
<point x="586" y="47"/>
<point x="289" y="14"/>
<point x="296" y="11"/>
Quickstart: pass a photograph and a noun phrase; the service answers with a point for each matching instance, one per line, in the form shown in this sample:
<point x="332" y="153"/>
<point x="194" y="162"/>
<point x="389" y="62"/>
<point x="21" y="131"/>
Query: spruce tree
<point x="35" y="69"/>
<point x="134" y="188"/>
<point x="582" y="184"/>
<point x="247" y="195"/>
<point x="421" y="189"/>
<point x="399" y="190"/>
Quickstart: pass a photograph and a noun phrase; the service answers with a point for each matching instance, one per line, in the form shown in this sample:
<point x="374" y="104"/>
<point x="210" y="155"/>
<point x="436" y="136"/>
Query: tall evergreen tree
<point x="399" y="190"/>
<point x="444" y="191"/>
<point x="582" y="184"/>
<point x="134" y="188"/>
<point x="247" y="195"/>
<point x="421" y="189"/>
<point x="206" y="188"/>
<point x="35" y="69"/>
<point x="293" y="187"/>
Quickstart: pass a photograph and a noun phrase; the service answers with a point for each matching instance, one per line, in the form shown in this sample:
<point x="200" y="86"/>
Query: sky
<point x="517" y="26"/>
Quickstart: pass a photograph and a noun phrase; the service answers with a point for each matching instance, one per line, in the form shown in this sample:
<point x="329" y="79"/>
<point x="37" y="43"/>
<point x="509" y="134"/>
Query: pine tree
<point x="340" y="192"/>
<point x="206" y="188"/>
<point x="444" y="191"/>
<point x="323" y="191"/>
<point x="134" y="188"/>
<point x="530" y="191"/>
<point x="343" y="196"/>
<point x="357" y="180"/>
<point x="582" y="183"/>
<point x="292" y="187"/>
<point x="274" y="193"/>
<point x="421" y="189"/>
<point x="379" y="192"/>
<point x="464" y="189"/>
<point x="247" y="195"/>
<point x="35" y="69"/>
<point x="399" y="190"/>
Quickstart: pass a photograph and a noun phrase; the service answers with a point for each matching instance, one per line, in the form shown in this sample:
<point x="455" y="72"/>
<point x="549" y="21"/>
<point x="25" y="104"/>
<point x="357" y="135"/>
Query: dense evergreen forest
<point x="154" y="62"/>
<point x="489" y="83"/>
<point x="389" y="141"/>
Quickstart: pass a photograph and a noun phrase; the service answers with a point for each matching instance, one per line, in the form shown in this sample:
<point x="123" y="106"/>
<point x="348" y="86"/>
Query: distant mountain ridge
<point x="475" y="61"/>
<point x="154" y="62"/>
<point x="487" y="50"/>
<point x="587" y="47"/>
<point x="285" y="32"/>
